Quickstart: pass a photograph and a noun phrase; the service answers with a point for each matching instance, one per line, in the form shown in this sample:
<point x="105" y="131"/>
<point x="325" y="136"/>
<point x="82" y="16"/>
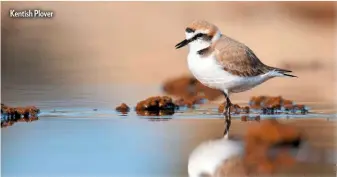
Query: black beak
<point x="182" y="43"/>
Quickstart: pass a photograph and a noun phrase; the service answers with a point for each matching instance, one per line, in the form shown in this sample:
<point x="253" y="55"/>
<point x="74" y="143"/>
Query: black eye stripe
<point x="201" y="35"/>
<point x="189" y="30"/>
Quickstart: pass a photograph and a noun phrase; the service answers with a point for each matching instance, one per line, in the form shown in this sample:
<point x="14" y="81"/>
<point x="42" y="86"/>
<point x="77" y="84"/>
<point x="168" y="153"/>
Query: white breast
<point x="209" y="72"/>
<point x="212" y="74"/>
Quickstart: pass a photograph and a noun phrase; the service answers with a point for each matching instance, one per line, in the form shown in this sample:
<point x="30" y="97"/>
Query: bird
<point x="223" y="63"/>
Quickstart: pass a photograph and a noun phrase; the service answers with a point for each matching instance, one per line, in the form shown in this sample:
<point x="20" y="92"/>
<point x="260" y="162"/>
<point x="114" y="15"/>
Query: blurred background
<point x="116" y="43"/>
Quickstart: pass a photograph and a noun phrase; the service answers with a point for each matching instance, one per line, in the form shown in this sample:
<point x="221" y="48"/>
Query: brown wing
<point x="238" y="59"/>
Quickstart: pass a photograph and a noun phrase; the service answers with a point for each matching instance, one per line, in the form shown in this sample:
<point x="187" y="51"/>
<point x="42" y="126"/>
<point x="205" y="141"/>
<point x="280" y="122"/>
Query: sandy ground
<point x="320" y="134"/>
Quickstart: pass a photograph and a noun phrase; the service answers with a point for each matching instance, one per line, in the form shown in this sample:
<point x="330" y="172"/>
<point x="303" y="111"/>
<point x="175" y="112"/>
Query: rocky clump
<point x="187" y="86"/>
<point x="10" y="115"/>
<point x="267" y="105"/>
<point x="158" y="105"/>
<point x="276" y="105"/>
<point x="263" y="136"/>
<point x="123" y="108"/>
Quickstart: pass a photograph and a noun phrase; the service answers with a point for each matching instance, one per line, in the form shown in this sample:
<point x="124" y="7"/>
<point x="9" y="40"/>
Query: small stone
<point x="123" y="108"/>
<point x="154" y="106"/>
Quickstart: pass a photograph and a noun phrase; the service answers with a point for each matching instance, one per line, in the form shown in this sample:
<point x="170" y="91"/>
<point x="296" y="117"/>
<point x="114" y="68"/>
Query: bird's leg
<point x="227" y="115"/>
<point x="227" y="105"/>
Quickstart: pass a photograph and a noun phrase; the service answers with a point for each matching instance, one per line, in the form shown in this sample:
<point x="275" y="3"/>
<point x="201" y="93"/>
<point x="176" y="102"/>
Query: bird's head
<point x="200" y="34"/>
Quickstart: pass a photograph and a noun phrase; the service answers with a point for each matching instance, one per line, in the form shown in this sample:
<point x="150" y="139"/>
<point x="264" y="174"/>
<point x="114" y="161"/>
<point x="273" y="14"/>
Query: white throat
<point x="197" y="45"/>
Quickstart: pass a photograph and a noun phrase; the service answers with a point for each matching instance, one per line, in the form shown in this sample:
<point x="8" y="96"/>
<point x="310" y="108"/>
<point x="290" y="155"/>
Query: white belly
<point x="211" y="74"/>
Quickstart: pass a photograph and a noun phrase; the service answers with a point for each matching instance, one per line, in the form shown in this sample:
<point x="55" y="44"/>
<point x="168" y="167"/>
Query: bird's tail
<point x="281" y="72"/>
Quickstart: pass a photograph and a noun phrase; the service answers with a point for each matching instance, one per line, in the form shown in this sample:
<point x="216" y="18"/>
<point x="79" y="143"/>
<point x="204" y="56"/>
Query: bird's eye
<point x="189" y="30"/>
<point x="200" y="36"/>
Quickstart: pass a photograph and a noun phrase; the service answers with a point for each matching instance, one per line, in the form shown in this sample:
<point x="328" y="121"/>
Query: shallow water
<point x="72" y="139"/>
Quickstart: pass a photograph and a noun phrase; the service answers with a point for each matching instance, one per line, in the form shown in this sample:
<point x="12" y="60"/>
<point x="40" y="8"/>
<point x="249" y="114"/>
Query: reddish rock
<point x="123" y="108"/>
<point x="156" y="106"/>
<point x="255" y="102"/>
<point x="33" y="111"/>
<point x="272" y="102"/>
<point x="187" y="86"/>
<point x="11" y="115"/>
<point x="274" y="105"/>
<point x="164" y="101"/>
<point x="23" y="111"/>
